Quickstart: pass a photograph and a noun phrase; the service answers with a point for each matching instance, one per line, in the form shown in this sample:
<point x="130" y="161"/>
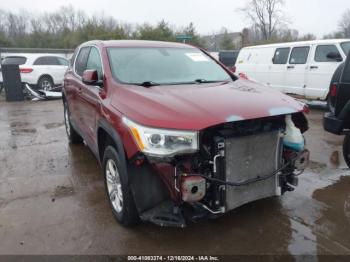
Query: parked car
<point x="337" y="121"/>
<point x="42" y="71"/>
<point x="304" y="69"/>
<point x="229" y="58"/>
<point x="176" y="133"/>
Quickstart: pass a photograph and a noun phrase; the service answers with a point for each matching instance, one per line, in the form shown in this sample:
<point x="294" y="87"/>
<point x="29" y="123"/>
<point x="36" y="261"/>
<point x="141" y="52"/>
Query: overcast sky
<point x="315" y="16"/>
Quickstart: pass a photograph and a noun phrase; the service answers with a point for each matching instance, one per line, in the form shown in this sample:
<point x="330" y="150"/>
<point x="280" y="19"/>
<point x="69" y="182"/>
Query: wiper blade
<point x="204" y="81"/>
<point x="148" y="84"/>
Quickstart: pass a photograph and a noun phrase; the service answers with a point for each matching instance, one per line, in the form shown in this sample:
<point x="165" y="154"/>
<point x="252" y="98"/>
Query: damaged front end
<point x="227" y="166"/>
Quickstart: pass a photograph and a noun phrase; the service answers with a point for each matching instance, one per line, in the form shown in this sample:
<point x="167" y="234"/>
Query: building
<point x="213" y="41"/>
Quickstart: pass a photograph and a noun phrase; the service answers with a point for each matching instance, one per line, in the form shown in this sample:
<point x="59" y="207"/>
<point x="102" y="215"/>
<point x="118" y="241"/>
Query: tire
<point x="45" y="83"/>
<point x="346" y="149"/>
<point x="73" y="136"/>
<point x="117" y="187"/>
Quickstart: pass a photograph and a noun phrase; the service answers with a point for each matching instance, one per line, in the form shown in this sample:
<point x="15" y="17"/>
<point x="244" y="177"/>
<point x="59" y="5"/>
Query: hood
<point x="198" y="106"/>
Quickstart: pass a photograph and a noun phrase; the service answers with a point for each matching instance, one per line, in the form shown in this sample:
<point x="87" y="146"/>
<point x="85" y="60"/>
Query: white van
<point x="301" y="68"/>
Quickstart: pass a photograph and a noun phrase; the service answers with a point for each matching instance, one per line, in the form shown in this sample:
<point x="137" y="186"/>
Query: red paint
<point x="185" y="107"/>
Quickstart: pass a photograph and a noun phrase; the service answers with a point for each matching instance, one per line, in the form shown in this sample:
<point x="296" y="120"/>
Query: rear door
<point x="278" y="69"/>
<point x="296" y="70"/>
<point x="61" y="69"/>
<point x="320" y="71"/>
<point x="343" y="88"/>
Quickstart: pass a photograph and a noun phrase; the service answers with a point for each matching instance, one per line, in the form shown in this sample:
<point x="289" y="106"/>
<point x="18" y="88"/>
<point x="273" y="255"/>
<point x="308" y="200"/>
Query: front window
<point x="164" y="66"/>
<point x="322" y="51"/>
<point x="346" y="47"/>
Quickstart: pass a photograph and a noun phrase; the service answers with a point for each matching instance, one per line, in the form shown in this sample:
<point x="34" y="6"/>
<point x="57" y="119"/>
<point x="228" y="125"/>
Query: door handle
<point x="290" y="67"/>
<point x="313" y="67"/>
<point x="79" y="90"/>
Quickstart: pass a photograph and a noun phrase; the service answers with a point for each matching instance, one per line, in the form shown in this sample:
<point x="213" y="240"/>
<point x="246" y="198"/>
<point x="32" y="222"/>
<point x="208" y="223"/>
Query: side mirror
<point x="90" y="77"/>
<point x="334" y="56"/>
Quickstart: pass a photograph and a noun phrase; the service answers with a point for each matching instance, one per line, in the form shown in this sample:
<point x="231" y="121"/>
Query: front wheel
<point x="346" y="149"/>
<point x="117" y="187"/>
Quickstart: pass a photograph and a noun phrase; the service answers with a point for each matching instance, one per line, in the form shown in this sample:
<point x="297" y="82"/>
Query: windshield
<point x="164" y="66"/>
<point x="346" y="47"/>
<point x="14" y="60"/>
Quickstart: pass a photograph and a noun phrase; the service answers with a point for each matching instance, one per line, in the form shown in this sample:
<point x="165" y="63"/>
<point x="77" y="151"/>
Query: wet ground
<point x="52" y="200"/>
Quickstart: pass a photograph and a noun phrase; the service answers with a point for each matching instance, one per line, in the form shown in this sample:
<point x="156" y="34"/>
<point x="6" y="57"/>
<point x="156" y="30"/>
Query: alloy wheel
<point x="114" y="186"/>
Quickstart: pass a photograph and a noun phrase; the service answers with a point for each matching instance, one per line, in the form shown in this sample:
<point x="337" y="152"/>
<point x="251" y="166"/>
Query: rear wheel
<point x="117" y="187"/>
<point x="45" y="83"/>
<point x="73" y="136"/>
<point x="346" y="149"/>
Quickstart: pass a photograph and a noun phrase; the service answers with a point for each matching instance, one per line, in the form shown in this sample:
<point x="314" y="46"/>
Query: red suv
<point x="178" y="136"/>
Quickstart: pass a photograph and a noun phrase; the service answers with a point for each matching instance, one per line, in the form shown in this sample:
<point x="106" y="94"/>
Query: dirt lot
<point x="52" y="200"/>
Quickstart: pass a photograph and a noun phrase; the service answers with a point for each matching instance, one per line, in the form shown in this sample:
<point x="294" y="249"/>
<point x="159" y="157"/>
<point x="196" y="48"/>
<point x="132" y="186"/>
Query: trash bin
<point x="12" y="83"/>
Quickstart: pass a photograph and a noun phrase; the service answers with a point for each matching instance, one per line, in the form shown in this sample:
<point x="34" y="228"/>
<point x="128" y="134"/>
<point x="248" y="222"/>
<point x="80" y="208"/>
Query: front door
<point x="296" y="70"/>
<point x="90" y="97"/>
<point x="76" y="86"/>
<point x="320" y="71"/>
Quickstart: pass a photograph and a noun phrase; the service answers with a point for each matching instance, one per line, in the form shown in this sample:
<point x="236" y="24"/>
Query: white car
<point x="43" y="71"/>
<point x="304" y="69"/>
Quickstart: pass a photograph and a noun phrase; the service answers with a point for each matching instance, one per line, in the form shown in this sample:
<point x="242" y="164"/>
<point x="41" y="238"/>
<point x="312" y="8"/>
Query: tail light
<point x="333" y="91"/>
<point x="26" y="70"/>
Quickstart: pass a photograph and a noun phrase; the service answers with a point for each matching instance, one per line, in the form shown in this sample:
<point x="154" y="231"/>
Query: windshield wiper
<point x="148" y="84"/>
<point x="204" y="81"/>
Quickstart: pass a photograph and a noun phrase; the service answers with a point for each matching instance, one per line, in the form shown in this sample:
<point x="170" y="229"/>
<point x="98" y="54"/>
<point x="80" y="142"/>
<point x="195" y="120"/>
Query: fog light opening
<point x="194" y="190"/>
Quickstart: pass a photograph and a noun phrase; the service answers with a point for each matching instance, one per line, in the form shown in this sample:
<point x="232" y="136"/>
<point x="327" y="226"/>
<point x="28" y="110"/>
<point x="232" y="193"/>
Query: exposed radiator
<point x="247" y="158"/>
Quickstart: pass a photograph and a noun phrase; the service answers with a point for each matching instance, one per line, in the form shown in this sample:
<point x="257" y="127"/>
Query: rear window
<point x="299" y="55"/>
<point x="47" y="60"/>
<point x="281" y="56"/>
<point x="14" y="60"/>
<point x="346" y="47"/>
<point x="323" y="50"/>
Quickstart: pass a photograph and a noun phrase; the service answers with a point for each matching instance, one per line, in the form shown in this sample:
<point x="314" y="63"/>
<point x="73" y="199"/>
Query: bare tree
<point x="267" y="15"/>
<point x="344" y="24"/>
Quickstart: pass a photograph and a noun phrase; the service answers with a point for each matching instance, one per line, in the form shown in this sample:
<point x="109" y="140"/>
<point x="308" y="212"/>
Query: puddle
<point x="63" y="191"/>
<point x="53" y="125"/>
<point x="19" y="128"/>
<point x="316" y="166"/>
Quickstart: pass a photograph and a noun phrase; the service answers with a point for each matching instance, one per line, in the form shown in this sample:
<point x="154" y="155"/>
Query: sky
<point x="318" y="17"/>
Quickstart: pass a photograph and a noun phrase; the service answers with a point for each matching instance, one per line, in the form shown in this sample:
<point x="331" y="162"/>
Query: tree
<point x="334" y="35"/>
<point x="226" y="42"/>
<point x="344" y="24"/>
<point x="267" y="15"/>
<point x="308" y="37"/>
<point x="162" y="32"/>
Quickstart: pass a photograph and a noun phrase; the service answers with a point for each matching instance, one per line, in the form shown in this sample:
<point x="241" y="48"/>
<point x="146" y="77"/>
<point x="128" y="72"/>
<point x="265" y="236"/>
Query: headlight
<point x="162" y="142"/>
